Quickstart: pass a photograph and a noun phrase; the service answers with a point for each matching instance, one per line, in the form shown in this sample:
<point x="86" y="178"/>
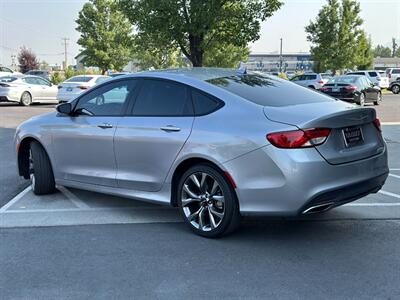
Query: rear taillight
<point x="83" y="87"/>
<point x="377" y="124"/>
<point x="351" y="88"/>
<point x="299" y="138"/>
<point x="324" y="89"/>
<point x="320" y="82"/>
<point x="5" y="85"/>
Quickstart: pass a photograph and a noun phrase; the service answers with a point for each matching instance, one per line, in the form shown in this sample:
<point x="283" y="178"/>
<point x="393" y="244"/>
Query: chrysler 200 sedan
<point x="219" y="144"/>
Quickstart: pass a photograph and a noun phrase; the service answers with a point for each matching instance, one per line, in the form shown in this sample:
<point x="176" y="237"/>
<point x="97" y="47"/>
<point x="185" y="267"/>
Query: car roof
<point x="202" y="74"/>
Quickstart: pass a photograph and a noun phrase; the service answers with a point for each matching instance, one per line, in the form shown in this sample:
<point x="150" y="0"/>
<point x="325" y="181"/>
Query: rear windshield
<point x="8" y="79"/>
<point x="326" y="76"/>
<point x="268" y="91"/>
<point x="80" y="79"/>
<point x="343" y="79"/>
<point x="356" y="73"/>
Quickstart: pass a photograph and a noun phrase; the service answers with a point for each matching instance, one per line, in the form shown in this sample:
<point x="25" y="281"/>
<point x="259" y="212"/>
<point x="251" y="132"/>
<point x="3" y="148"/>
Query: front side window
<point x="108" y="100"/>
<point x="162" y="98"/>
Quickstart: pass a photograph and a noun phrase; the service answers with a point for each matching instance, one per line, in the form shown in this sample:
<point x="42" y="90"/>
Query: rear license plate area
<point x="353" y="136"/>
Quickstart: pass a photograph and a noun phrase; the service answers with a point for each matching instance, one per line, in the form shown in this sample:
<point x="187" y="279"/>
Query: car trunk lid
<point x="347" y="123"/>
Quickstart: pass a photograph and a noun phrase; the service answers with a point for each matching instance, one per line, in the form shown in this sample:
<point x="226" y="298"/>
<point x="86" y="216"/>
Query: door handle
<point x="105" y="126"/>
<point x="170" y="128"/>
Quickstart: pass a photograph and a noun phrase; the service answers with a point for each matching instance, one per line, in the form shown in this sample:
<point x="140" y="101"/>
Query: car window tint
<point x="396" y="72"/>
<point x="30" y="80"/>
<point x="372" y="74"/>
<point x="204" y="104"/>
<point x="356" y="73"/>
<point x="107" y="100"/>
<point x="268" y="90"/>
<point x="80" y="79"/>
<point x="8" y="79"/>
<point x="42" y="81"/>
<point x="311" y="77"/>
<point x="101" y="79"/>
<point x="162" y="98"/>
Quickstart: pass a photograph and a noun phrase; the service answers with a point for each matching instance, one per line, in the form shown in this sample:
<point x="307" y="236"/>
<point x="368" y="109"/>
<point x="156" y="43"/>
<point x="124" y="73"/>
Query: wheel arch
<point x="184" y="165"/>
<point x="23" y="155"/>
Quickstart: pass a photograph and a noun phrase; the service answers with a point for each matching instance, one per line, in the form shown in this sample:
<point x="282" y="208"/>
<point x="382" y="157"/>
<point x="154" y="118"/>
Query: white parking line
<point x="390" y="123"/>
<point x="395" y="176"/>
<point x="390" y="194"/>
<point x="373" y="204"/>
<point x="71" y="197"/>
<point x="15" y="199"/>
<point x="394" y="169"/>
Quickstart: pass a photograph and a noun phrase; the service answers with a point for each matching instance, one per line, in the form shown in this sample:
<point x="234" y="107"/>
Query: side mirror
<point x="64" y="108"/>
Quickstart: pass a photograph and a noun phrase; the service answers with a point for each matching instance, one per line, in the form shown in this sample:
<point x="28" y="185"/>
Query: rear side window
<point x="311" y="77"/>
<point x="397" y="71"/>
<point x="204" y="104"/>
<point x="162" y="98"/>
<point x="269" y="91"/>
<point x="372" y="74"/>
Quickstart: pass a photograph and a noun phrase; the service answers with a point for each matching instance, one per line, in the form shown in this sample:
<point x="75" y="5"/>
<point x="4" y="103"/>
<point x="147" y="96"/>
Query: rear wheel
<point x="26" y="99"/>
<point x="362" y="100"/>
<point x="395" y="89"/>
<point x="208" y="202"/>
<point x="379" y="99"/>
<point x="40" y="170"/>
<point x="311" y="87"/>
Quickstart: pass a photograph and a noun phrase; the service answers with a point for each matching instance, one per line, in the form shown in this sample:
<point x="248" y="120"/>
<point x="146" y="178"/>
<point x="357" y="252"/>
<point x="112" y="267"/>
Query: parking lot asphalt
<point x="78" y="244"/>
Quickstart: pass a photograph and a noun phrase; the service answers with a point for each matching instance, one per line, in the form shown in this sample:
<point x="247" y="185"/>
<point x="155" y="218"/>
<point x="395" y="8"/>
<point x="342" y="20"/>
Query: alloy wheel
<point x="396" y="89"/>
<point x="203" y="201"/>
<point x="26" y="99"/>
<point x="362" y="99"/>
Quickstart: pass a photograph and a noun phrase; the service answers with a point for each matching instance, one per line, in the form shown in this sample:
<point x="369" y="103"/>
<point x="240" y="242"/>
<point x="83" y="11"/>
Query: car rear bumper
<point x="282" y="182"/>
<point x="7" y="95"/>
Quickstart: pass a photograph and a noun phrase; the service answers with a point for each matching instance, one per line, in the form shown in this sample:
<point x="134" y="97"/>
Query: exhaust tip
<point x="318" y="208"/>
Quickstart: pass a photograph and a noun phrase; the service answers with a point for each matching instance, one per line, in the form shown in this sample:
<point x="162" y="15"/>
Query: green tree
<point x="337" y="37"/>
<point x="365" y="56"/>
<point x="381" y="51"/>
<point x="225" y="56"/>
<point x="194" y="26"/>
<point x="106" y="35"/>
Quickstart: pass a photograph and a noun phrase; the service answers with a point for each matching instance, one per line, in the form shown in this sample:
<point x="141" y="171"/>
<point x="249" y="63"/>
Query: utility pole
<point x="280" y="59"/>
<point x="13" y="64"/>
<point x="65" y="43"/>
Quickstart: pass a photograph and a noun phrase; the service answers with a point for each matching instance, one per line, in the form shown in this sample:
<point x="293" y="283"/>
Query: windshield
<point x="268" y="91"/>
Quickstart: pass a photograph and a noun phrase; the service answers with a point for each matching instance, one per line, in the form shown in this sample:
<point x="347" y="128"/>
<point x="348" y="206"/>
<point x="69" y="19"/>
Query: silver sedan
<point x="27" y="89"/>
<point x="219" y="144"/>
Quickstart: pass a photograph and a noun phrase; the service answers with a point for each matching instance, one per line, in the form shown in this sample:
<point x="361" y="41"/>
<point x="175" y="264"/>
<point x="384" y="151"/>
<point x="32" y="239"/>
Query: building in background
<point x="270" y="62"/>
<point x="382" y="63"/>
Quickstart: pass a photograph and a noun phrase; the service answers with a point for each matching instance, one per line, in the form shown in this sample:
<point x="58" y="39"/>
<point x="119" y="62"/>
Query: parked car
<point x="26" y="89"/>
<point x="7" y="72"/>
<point x="378" y="78"/>
<point x="395" y="86"/>
<point x="353" y="88"/>
<point x="393" y="74"/>
<point x="311" y="80"/>
<point x="173" y="137"/>
<point x="41" y="73"/>
<point x="72" y="87"/>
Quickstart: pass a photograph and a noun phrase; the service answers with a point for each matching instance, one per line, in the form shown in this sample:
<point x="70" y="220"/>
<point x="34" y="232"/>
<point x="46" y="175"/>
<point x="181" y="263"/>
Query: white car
<point x="7" y="71"/>
<point x="73" y="86"/>
<point x="26" y="89"/>
<point x="312" y="80"/>
<point x="378" y="78"/>
<point x="393" y="74"/>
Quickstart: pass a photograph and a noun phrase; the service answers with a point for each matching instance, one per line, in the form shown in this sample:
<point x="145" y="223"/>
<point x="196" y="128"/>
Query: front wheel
<point x="395" y="89"/>
<point x="379" y="99"/>
<point x="40" y="170"/>
<point x="208" y="202"/>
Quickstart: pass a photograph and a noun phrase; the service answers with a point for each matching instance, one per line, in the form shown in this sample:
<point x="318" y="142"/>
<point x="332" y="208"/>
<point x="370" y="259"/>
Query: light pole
<point x="280" y="58"/>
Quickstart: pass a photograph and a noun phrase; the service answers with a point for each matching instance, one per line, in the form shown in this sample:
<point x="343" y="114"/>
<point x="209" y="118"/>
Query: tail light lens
<point x="83" y="87"/>
<point x="377" y="124"/>
<point x="351" y="88"/>
<point x="324" y="89"/>
<point x="299" y="138"/>
<point x="5" y="85"/>
<point x="320" y="82"/>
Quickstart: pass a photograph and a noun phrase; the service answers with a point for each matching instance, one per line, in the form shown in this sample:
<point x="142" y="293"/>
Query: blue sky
<point x="40" y="25"/>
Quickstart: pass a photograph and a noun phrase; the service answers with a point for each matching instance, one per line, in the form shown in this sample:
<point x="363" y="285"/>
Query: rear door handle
<point x="105" y="126"/>
<point x="170" y="128"/>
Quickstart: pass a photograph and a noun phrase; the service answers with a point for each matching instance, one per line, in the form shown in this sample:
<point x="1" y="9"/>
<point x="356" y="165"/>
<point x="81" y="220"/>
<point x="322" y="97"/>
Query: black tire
<point x="361" y="99"/>
<point x="40" y="170"/>
<point x="396" y="89"/>
<point x="26" y="99"/>
<point x="311" y="87"/>
<point x="231" y="219"/>
<point x="379" y="100"/>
